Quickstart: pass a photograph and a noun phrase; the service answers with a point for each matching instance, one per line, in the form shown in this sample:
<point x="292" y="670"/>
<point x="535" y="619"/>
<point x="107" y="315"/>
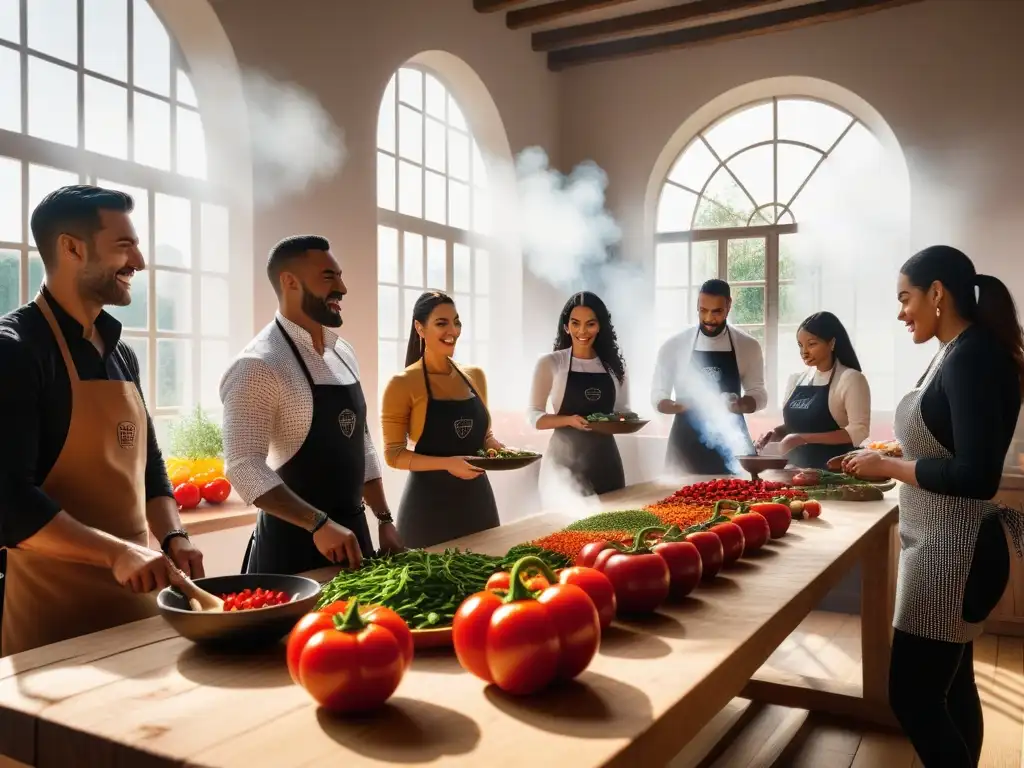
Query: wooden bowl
<point x="755" y="464"/>
<point x="240" y="629"/>
<point x="618" y="427"/>
<point x="498" y="465"/>
<point x="440" y="637"/>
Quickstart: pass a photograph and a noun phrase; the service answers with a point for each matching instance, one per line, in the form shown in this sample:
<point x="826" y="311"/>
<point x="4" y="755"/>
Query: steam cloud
<point x="294" y="141"/>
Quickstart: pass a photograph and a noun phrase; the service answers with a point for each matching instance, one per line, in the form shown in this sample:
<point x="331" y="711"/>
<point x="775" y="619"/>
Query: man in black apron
<point x="593" y="459"/>
<point x="437" y="506"/>
<point x="807" y="412"/>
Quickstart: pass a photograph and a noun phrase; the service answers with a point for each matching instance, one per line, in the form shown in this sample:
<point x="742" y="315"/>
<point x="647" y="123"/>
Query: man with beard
<point x="82" y="481"/>
<point x="296" y="443"/>
<point x="730" y="365"/>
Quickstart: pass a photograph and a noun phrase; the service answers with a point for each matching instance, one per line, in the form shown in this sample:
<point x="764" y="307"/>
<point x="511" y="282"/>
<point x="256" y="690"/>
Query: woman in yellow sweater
<point x="442" y="410"/>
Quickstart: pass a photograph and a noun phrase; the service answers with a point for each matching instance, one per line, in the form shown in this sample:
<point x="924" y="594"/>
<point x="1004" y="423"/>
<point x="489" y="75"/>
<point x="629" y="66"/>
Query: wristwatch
<point x="165" y="545"/>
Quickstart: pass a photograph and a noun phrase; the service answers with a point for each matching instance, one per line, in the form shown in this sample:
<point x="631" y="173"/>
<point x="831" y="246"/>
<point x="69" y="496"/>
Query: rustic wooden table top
<point x="141" y="695"/>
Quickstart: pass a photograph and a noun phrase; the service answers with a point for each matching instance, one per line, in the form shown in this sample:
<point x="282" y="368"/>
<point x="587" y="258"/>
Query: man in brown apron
<point x="82" y="482"/>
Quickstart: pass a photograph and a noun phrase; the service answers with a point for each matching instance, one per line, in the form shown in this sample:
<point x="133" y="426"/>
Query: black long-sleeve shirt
<point x="35" y="409"/>
<point x="971" y="407"/>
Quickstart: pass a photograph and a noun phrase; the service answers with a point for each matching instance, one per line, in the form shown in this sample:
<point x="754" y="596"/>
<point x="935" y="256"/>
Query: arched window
<point x="734" y="206"/>
<point x="433" y="216"/>
<point x="98" y="92"/>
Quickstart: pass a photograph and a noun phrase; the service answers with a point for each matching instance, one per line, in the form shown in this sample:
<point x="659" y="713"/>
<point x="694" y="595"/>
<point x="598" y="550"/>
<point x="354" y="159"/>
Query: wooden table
<point x="139" y="695"/>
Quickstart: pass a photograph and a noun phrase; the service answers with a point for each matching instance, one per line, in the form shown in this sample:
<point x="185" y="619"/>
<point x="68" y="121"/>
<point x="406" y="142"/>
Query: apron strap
<point x="295" y="351"/>
<point x="44" y="306"/>
<point x="426" y="379"/>
<point x="465" y="378"/>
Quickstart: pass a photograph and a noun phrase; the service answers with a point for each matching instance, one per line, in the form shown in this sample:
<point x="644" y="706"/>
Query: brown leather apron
<point x="98" y="479"/>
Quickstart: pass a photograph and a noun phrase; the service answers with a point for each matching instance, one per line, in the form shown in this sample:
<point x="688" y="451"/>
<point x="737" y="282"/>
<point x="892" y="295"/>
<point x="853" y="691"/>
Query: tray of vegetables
<point x="502" y="459"/>
<point x="824" y="484"/>
<point x="624" y="423"/>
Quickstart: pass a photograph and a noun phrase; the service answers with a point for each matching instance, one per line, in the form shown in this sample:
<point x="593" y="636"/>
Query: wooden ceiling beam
<point x="490" y="6"/>
<point x="542" y="14"/>
<point x="748" y="26"/>
<point x="565" y="37"/>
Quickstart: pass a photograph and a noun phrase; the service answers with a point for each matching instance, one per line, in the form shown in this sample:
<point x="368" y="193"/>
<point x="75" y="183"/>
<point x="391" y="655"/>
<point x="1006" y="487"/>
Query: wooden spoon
<point x="198" y="599"/>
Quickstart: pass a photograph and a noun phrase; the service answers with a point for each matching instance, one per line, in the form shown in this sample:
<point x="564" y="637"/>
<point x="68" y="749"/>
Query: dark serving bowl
<point x="618" y="427"/>
<point x="240" y="629"/>
<point x="755" y="464"/>
<point x="499" y="464"/>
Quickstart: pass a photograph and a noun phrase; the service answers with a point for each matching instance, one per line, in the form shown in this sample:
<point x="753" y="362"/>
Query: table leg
<point x="876" y="609"/>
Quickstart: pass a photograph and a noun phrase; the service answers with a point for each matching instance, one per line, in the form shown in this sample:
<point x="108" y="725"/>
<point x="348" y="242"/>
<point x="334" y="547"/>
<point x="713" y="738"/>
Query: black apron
<point x="686" y="450"/>
<point x="327" y="472"/>
<point x="592" y="459"/>
<point x="437" y="506"/>
<point x="806" y="412"/>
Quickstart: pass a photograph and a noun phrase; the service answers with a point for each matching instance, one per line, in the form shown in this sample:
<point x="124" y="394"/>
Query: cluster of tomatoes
<point x="248" y="599"/>
<point x="710" y="491"/>
<point x="197" y="480"/>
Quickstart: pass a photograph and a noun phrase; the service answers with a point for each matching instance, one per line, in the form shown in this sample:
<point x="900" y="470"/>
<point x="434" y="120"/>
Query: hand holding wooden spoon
<point x="198" y="599"/>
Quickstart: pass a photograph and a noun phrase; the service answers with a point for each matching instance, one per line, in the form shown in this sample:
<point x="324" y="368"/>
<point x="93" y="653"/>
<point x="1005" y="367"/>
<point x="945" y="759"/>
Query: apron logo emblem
<point x="802" y="404"/>
<point x="714" y="373"/>
<point x="463" y="427"/>
<point x="126" y="432"/>
<point x="347" y="422"/>
<point x="593" y="394"/>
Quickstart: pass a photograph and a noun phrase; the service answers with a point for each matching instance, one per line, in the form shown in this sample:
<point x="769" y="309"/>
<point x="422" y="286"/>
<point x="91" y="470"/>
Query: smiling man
<point x="82" y="482"/>
<point x="296" y="443"/>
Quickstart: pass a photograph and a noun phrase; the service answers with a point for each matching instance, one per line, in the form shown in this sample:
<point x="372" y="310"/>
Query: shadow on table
<point x="658" y="624"/>
<point x="624" y="643"/>
<point x="440" y="660"/>
<point x="403" y="731"/>
<point x="592" y="706"/>
<point x="258" y="668"/>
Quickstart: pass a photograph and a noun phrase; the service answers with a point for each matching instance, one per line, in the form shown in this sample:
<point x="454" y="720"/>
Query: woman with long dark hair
<point x="584" y="375"/>
<point x="442" y="409"/>
<point x="828" y="408"/>
<point x="954" y="429"/>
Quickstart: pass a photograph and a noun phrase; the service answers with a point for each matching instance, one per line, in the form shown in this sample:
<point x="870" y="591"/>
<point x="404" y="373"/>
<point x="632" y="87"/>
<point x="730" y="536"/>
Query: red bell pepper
<point x="522" y="643"/>
<point x="712" y="554"/>
<point x="684" y="566"/>
<point x="778" y="516"/>
<point x="588" y="554"/>
<point x="598" y="588"/>
<point x="500" y="581"/>
<point x="731" y="536"/>
<point x="641" y="578"/>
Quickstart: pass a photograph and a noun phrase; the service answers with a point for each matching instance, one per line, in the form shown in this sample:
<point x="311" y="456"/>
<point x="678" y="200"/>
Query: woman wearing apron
<point x="584" y="375"/>
<point x="442" y="409"/>
<point x="828" y="409"/>
<point x="954" y="428"/>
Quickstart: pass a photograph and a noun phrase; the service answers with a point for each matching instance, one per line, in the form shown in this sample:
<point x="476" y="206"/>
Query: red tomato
<point x="187" y="495"/>
<point x="755" y="531"/>
<point x="521" y="643"/>
<point x="588" y="555"/>
<point x="500" y="581"/>
<point x="812" y="508"/>
<point x="778" y="516"/>
<point x="711" y="553"/>
<point x="731" y="536"/>
<point x="684" y="566"/>
<point x="351" y="661"/>
<point x="641" y="581"/>
<point x="598" y="588"/>
<point x="216" y="491"/>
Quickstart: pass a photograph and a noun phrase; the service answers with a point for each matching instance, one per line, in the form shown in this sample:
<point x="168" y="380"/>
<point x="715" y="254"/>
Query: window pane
<point x="173" y="231"/>
<point x="410" y="134"/>
<point x="385" y="181"/>
<point x="694" y="166"/>
<point x="481" y="211"/>
<point x="173" y="373"/>
<point x="671" y="265"/>
<point x="435" y="146"/>
<point x="482" y="316"/>
<point x="436" y="270"/>
<point x="36" y="274"/>
<point x="140" y="347"/>
<point x="191" y="155"/>
<point x="464" y="306"/>
<point x="10" y="20"/>
<point x="10" y="200"/>
<point x="173" y="301"/>
<point x="140" y="216"/>
<point x="746" y="259"/>
<point x="152" y="132"/>
<point x="387" y="255"/>
<point x="755" y="169"/>
<point x="741" y="129"/>
<point x="41" y="182"/>
<point x="186" y="94"/>
<point x="410" y="87"/>
<point x="387" y="362"/>
<point x="106" y="118"/>
<point x="757" y="331"/>
<point x="52" y="102"/>
<point x="10" y="281"/>
<point x="386" y="119"/>
<point x="675" y="209"/>
<point x="795" y="165"/>
<point x="410" y="189"/>
<point x="135" y="316"/>
<point x="214" y="357"/>
<point x="458" y="155"/>
<point x="106" y="38"/>
<point x="724" y="204"/>
<point x="482" y="272"/>
<point x="811" y="122"/>
<point x="463" y="277"/>
<point x="215" y="237"/>
<point x="10" y="89"/>
<point x="436" y="95"/>
<point x="412" y="253"/>
<point x="455" y="117"/>
<point x="436" y="202"/>
<point x="151" y="50"/>
<point x="670" y="311"/>
<point x="215" y="314"/>
<point x="458" y="205"/>
<point x="796" y="302"/>
<point x="387" y="312"/>
<point x="53" y="28"/>
<point x="479" y="166"/>
<point x="409" y="297"/>
<point x="747" y="305"/>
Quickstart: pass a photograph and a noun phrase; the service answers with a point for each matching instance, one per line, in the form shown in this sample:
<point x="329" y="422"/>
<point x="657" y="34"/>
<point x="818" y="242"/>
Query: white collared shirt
<point x="549" y="379"/>
<point x="268" y="405"/>
<point x="849" y="399"/>
<point x="674" y="359"/>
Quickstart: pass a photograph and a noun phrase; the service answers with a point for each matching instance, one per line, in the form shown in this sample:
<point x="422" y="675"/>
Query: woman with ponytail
<point x="442" y="409"/>
<point x="954" y="428"/>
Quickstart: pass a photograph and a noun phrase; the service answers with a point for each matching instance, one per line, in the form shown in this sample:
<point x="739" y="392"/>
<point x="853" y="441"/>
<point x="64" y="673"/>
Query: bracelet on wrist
<point x="165" y="545"/>
<point x="321" y="521"/>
